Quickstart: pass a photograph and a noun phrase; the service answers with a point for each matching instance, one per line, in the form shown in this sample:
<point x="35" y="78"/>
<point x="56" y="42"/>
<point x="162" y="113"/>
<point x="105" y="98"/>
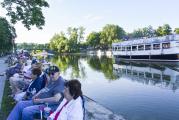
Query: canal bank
<point x="94" y="111"/>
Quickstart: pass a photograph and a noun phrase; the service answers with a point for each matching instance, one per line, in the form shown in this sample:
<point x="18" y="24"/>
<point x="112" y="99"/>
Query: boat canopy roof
<point x="153" y="40"/>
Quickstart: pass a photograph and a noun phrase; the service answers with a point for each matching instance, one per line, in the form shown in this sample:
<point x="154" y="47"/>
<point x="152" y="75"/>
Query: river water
<point x="136" y="90"/>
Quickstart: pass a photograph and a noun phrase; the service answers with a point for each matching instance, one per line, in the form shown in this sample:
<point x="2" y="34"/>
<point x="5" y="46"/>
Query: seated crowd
<point x="36" y="87"/>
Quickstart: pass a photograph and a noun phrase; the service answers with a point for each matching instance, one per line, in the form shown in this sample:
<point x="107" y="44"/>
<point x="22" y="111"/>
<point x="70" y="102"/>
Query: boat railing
<point x="167" y="38"/>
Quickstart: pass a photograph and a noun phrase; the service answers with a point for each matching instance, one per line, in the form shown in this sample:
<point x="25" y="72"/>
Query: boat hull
<point x="162" y="57"/>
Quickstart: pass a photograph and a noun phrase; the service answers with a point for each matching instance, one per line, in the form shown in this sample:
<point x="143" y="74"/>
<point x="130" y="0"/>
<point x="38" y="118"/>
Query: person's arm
<point x="37" y="94"/>
<point x="55" y="98"/>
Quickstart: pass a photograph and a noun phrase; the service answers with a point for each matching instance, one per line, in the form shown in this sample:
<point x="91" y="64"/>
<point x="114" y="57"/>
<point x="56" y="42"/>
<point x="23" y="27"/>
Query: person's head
<point x="54" y="72"/>
<point x="36" y="72"/>
<point x="38" y="65"/>
<point x="72" y="89"/>
<point x="33" y="62"/>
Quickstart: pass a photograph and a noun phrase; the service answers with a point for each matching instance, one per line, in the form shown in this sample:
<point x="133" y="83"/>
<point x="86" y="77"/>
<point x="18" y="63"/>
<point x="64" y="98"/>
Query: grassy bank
<point x="7" y="102"/>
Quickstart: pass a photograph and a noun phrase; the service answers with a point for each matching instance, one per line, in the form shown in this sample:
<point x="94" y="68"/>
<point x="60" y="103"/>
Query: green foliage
<point x="159" y="31"/>
<point x="104" y="65"/>
<point x="27" y="11"/>
<point x="163" y="30"/>
<point x="93" y="39"/>
<point x="32" y="46"/>
<point x="67" y="43"/>
<point x="73" y="41"/>
<point x="144" y="32"/>
<point x="176" y="30"/>
<point x="7" y="35"/>
<point x="109" y="34"/>
<point x="166" y="29"/>
<point x="137" y="33"/>
<point x="73" y="62"/>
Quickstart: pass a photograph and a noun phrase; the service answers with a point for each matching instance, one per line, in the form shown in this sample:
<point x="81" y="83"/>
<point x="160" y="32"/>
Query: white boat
<point x="164" y="48"/>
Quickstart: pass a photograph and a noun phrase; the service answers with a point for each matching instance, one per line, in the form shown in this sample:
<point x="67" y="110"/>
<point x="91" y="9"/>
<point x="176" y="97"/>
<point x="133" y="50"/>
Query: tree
<point x="148" y="32"/>
<point x="166" y="29"/>
<point x="109" y="34"/>
<point x="7" y="35"/>
<point x="93" y="39"/>
<point x="176" y="30"/>
<point x="27" y="11"/>
<point x="159" y="31"/>
<point x="75" y="36"/>
<point x="81" y="33"/>
<point x="137" y="33"/>
<point x="144" y="32"/>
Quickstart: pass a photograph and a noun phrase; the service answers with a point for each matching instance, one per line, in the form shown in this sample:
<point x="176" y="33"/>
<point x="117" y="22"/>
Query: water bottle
<point x="47" y="111"/>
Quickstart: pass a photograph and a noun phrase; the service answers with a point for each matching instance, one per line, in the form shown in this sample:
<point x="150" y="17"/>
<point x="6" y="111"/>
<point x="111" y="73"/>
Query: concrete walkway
<point x="95" y="111"/>
<point x="3" y="67"/>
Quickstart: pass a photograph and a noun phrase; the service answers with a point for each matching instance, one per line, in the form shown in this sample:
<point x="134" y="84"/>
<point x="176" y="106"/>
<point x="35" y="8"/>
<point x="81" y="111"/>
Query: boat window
<point x="141" y="47"/>
<point x="147" y="47"/>
<point x="123" y="48"/>
<point x="123" y="71"/>
<point x="128" y="48"/>
<point x="119" y="49"/>
<point x="148" y="75"/>
<point x="114" y="48"/>
<point x="129" y="72"/>
<point x="166" y="77"/>
<point x="156" y="46"/>
<point x="156" y="76"/>
<point x="165" y="45"/>
<point x="141" y="74"/>
<point x="134" y="48"/>
<point x="134" y="73"/>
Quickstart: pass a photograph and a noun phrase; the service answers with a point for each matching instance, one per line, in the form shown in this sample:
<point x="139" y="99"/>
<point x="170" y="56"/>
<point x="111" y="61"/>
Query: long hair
<point x="74" y="88"/>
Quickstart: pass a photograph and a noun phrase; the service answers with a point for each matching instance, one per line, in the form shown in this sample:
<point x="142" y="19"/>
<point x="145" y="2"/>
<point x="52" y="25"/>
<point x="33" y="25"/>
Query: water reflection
<point x="156" y="74"/>
<point x="66" y="62"/>
<point x="102" y="64"/>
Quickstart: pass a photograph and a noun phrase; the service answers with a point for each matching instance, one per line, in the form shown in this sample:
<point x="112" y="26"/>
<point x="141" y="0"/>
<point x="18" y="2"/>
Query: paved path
<point x="3" y="67"/>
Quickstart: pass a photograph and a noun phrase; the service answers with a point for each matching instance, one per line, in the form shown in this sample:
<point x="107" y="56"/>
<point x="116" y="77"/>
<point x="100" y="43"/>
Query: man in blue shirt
<point x="51" y="94"/>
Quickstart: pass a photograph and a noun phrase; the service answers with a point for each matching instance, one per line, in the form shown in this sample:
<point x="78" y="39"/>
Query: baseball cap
<point x="53" y="69"/>
<point x="34" y="61"/>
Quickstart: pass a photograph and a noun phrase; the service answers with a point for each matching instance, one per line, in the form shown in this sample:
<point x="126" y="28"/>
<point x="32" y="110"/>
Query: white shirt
<point x="72" y="111"/>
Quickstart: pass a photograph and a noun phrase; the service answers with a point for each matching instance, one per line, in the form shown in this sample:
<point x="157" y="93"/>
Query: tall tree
<point x="176" y="30"/>
<point x="111" y="33"/>
<point x="148" y="32"/>
<point x="159" y="31"/>
<point x="166" y="29"/>
<point x="137" y="33"/>
<point x="27" y="11"/>
<point x="7" y="35"/>
<point x="93" y="39"/>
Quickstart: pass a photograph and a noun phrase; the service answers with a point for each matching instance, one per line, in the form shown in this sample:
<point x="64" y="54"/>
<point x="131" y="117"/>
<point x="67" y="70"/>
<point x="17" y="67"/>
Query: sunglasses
<point x="52" y="73"/>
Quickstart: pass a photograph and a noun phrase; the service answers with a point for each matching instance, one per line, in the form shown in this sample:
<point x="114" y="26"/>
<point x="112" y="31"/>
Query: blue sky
<point x="95" y="14"/>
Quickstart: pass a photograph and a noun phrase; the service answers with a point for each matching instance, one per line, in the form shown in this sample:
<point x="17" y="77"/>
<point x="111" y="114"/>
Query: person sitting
<point x="15" y="69"/>
<point x="51" y="94"/>
<point x="19" y="82"/>
<point x="71" y="108"/>
<point x="34" y="87"/>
